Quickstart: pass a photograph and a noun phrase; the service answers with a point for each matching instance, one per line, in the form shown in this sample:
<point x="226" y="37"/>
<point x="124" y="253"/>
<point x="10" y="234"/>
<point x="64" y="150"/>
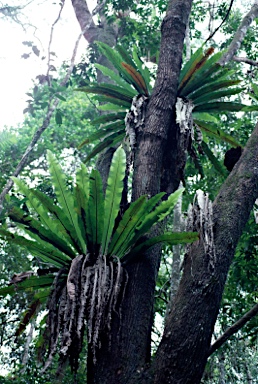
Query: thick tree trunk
<point x="125" y="359"/>
<point x="185" y="345"/>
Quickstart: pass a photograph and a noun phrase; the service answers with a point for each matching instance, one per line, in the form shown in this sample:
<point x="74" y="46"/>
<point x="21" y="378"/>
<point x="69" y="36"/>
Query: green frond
<point x="113" y="195"/>
<point x="65" y="198"/>
<point x="95" y="213"/>
<point x="123" y="104"/>
<point x="109" y="141"/>
<point x="116" y="78"/>
<point x="109" y="90"/>
<point x="194" y="59"/>
<point x="220" y="106"/>
<point x="104" y="131"/>
<point x="142" y="69"/>
<point x="203" y="74"/>
<point x="212" y="130"/>
<point x="111" y="117"/>
<point x="170" y="238"/>
<point x="216" y="95"/>
<point x="161" y="211"/>
<point x="115" y="58"/>
<point x="32" y="283"/>
<point x="127" y="231"/>
<point x="113" y="107"/>
<point x="33" y="227"/>
<point x="81" y="193"/>
<point x="62" y="222"/>
<point x="210" y="88"/>
<point x="213" y="159"/>
<point x="44" y="251"/>
<point x="126" y="57"/>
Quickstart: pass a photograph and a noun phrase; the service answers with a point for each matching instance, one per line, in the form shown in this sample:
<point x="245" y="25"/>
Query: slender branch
<point x="223" y="21"/>
<point x="53" y="103"/>
<point x="25" y="356"/>
<point x="51" y="38"/>
<point x="245" y="60"/>
<point x="240" y="34"/>
<point x="233" y="329"/>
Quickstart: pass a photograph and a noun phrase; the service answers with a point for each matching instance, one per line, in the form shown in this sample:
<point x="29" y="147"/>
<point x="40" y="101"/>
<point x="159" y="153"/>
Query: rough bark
<point x="189" y="327"/>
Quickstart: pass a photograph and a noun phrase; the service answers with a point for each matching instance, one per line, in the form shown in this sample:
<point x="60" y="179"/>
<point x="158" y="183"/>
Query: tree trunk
<point x="189" y="327"/>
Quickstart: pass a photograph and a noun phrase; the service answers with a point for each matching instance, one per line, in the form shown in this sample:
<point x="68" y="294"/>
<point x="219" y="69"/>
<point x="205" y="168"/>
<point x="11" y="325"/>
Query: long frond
<point x="113" y="195"/>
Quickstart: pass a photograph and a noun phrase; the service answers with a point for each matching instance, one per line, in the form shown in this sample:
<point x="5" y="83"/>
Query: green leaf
<point x="34" y="229"/>
<point x="116" y="78"/>
<point x="58" y="117"/>
<point x="115" y="58"/>
<point x="195" y="58"/>
<point x="104" y="132"/>
<point x="127" y="226"/>
<point x="62" y="223"/>
<point x="210" y="88"/>
<point x="113" y="195"/>
<point x="205" y="117"/>
<point x="220" y="106"/>
<point x="112" y="107"/>
<point x="216" y="163"/>
<point x="212" y="130"/>
<point x="123" y="104"/>
<point x="126" y="233"/>
<point x="81" y="197"/>
<point x="65" y="198"/>
<point x="142" y="68"/>
<point x="202" y="74"/>
<point x="31" y="283"/>
<point x="109" y="141"/>
<point x="125" y="56"/>
<point x="170" y="238"/>
<point x="46" y="252"/>
<point x="95" y="213"/>
<point x="160" y="212"/>
<point x="109" y="90"/>
<point x="217" y="95"/>
<point x="111" y="117"/>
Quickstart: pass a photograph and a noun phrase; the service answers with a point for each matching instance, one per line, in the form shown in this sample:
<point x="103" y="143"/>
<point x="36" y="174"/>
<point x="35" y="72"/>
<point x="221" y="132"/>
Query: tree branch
<point x="240" y="34"/>
<point x="233" y="329"/>
<point x="84" y="18"/>
<point x="245" y="60"/>
<point x="62" y="3"/>
<point x="223" y="21"/>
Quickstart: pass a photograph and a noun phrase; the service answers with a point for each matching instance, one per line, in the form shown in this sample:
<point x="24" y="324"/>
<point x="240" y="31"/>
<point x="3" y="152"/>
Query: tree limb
<point x="233" y="329"/>
<point x="84" y="18"/>
<point x="245" y="60"/>
<point x="62" y="3"/>
<point x="240" y="34"/>
<point x="223" y="21"/>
